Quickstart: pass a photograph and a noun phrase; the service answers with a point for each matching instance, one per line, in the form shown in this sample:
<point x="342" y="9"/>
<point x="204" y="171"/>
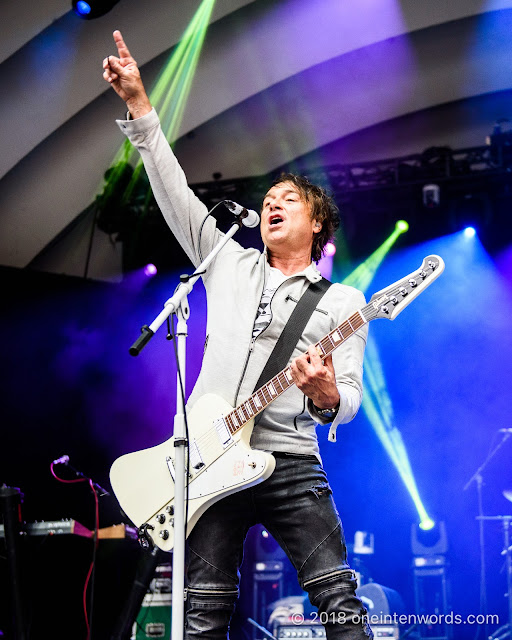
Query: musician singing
<point x="251" y="296"/>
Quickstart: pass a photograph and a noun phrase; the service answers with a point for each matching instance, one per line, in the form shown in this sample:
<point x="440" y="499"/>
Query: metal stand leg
<point x="431" y="595"/>
<point x="505" y="632"/>
<point x="145" y="571"/>
<point x="10" y="498"/>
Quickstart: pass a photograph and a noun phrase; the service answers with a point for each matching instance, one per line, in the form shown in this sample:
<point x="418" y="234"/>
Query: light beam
<point x="377" y="403"/>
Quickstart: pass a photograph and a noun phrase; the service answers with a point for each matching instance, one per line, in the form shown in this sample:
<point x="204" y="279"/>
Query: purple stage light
<point x="330" y="250"/>
<point x="150" y="270"/>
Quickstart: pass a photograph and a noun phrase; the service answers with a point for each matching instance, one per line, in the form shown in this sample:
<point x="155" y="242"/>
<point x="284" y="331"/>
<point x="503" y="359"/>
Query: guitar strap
<point x="293" y="330"/>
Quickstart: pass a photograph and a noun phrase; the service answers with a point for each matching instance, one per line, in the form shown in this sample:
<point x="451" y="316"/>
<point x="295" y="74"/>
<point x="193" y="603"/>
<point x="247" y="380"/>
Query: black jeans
<point x="295" y="504"/>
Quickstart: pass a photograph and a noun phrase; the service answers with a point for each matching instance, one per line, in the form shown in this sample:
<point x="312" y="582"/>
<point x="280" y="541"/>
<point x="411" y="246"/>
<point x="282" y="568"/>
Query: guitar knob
<point x="384" y="309"/>
<point x="413" y="282"/>
<point x="160" y="518"/>
<point x="403" y="291"/>
<point x="164" y="534"/>
<point x="170" y="510"/>
<point x="423" y="274"/>
<point x="393" y="300"/>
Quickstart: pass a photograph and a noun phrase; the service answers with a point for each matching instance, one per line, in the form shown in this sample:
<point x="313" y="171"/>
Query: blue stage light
<point x="93" y="8"/>
<point x="469" y="232"/>
<point x="83" y="8"/>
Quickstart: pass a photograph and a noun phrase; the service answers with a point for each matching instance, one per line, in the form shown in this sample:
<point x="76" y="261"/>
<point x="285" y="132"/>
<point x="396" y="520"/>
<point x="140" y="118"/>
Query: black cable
<point x="92" y="582"/>
<point x="201" y="229"/>
<point x="95" y="540"/>
<point x="182" y="391"/>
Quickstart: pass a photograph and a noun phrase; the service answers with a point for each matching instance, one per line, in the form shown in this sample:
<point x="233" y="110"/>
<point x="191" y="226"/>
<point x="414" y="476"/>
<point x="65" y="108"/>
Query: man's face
<point x="286" y="223"/>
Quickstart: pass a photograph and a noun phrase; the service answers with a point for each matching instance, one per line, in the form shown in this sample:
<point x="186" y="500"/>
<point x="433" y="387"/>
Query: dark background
<point x="70" y="387"/>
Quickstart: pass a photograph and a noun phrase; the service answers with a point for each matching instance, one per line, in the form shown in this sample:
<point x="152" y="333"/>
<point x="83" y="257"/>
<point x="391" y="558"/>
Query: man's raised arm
<point x="182" y="210"/>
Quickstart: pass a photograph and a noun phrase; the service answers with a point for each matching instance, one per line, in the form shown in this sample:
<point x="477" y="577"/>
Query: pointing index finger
<point x="122" y="49"/>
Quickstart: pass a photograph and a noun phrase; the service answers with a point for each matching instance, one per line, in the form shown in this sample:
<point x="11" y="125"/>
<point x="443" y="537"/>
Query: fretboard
<point x="277" y="385"/>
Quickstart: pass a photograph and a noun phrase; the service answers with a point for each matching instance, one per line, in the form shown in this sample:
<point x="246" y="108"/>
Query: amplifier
<point x="52" y="528"/>
<point x="385" y="631"/>
<point x="390" y="631"/>
<point x="300" y="631"/>
<point x="154" y="619"/>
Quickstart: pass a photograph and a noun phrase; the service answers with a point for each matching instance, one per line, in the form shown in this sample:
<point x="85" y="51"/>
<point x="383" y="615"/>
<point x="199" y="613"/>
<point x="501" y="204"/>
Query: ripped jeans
<point x="296" y="506"/>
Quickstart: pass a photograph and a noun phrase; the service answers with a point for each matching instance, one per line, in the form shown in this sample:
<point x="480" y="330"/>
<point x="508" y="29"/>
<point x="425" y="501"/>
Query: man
<point x="250" y="298"/>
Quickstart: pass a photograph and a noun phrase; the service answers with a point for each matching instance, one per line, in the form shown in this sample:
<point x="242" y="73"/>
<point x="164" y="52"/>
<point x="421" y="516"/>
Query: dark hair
<point x="323" y="209"/>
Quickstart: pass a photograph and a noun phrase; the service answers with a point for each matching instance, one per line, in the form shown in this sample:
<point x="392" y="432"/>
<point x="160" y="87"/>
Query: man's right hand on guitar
<point x="122" y="73"/>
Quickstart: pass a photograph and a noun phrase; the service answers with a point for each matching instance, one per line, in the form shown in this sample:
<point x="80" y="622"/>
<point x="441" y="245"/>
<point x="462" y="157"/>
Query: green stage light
<point x="363" y="275"/>
<point x="427" y="524"/>
<point x="402" y="226"/>
<point x="378" y="407"/>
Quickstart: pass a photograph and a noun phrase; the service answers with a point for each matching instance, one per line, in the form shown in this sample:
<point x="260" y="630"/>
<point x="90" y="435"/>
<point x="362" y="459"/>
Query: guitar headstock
<point x="392" y="300"/>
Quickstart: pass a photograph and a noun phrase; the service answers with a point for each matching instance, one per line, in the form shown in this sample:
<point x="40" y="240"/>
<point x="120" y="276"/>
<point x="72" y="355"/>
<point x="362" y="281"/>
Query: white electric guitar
<point x="221" y="459"/>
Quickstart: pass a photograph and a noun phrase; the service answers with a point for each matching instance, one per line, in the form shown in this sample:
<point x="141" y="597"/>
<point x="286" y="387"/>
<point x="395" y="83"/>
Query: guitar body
<point x="143" y="481"/>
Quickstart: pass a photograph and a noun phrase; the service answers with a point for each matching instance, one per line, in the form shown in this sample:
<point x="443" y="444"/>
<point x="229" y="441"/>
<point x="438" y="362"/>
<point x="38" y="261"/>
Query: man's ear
<point x="317" y="227"/>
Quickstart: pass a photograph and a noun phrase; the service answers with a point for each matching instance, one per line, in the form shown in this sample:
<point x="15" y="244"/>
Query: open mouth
<point x="275" y="220"/>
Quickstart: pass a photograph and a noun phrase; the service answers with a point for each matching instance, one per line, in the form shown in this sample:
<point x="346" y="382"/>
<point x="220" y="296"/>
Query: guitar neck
<point x="387" y="303"/>
<point x="277" y="385"/>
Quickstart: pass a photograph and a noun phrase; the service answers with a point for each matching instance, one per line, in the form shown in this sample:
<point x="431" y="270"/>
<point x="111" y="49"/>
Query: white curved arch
<point x="266" y="90"/>
<point x="252" y="48"/>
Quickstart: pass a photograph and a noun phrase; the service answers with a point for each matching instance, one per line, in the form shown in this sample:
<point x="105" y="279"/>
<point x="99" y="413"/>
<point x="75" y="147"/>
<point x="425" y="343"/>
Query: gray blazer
<point x="234" y="283"/>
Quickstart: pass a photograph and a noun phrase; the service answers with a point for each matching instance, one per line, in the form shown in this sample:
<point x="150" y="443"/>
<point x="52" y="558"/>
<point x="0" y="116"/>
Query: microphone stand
<point x="178" y="304"/>
<point x="505" y="631"/>
<point x="477" y="477"/>
<point x="97" y="487"/>
<point x="11" y="500"/>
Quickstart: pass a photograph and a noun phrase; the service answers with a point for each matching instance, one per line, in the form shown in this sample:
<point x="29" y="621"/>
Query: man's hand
<point x="316" y="379"/>
<point x="123" y="75"/>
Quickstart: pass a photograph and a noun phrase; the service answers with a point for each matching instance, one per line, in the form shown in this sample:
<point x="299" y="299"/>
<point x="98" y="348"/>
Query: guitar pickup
<point x="196" y="461"/>
<point x="223" y="432"/>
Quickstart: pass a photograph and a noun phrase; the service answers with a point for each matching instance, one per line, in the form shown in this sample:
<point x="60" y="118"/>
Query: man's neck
<point x="289" y="265"/>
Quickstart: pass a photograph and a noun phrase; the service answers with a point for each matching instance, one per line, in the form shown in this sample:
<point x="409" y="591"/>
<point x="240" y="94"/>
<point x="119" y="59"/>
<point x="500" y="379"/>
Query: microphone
<point x="61" y="460"/>
<point x="248" y="217"/>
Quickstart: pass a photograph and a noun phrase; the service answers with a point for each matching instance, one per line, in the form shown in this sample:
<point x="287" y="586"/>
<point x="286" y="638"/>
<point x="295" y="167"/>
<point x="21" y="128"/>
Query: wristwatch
<point x="328" y="413"/>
